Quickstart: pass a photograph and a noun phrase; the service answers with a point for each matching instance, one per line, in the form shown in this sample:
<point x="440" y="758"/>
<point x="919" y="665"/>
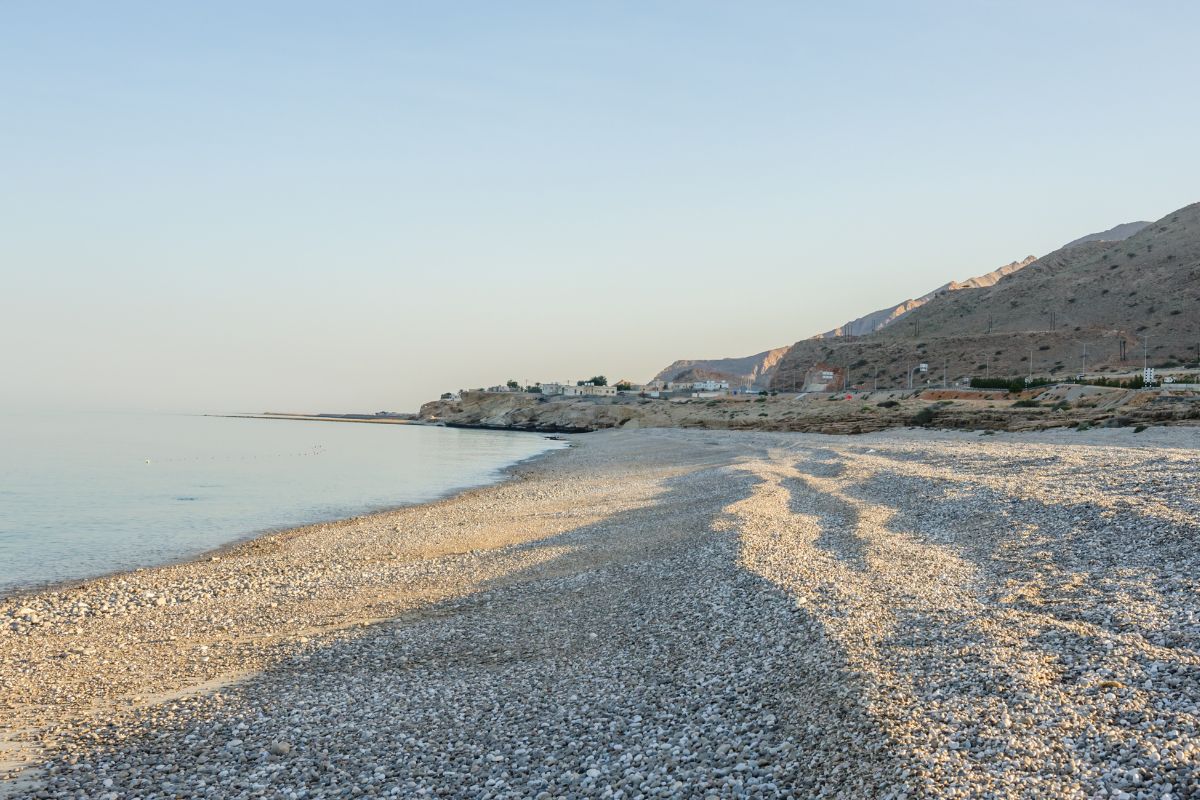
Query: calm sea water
<point x="83" y="495"/>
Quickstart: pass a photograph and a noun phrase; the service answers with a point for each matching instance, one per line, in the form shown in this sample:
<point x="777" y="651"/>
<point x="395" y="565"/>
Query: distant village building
<point x="710" y="386"/>
<point x="552" y="388"/>
<point x="823" y="378"/>
<point x="589" y="390"/>
<point x="501" y="389"/>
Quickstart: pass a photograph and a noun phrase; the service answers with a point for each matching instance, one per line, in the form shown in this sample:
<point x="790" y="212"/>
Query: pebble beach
<point x="658" y="613"/>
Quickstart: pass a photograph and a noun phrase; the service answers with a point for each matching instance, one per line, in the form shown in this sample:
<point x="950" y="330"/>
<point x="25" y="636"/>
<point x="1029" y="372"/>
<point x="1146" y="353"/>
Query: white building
<point x="710" y="386"/>
<point x="552" y="388"/>
<point x="589" y="390"/>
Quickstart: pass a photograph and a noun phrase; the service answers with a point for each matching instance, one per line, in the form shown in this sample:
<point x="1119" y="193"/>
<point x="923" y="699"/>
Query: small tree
<point x="513" y="384"/>
<point x="599" y="380"/>
<point x="924" y="417"/>
<point x="624" y="386"/>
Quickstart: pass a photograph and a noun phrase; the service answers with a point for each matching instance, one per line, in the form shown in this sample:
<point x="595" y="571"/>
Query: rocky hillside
<point x="755" y="370"/>
<point x="1105" y="294"/>
<point x="886" y="316"/>
<point x="758" y="370"/>
<point x="1118" y="233"/>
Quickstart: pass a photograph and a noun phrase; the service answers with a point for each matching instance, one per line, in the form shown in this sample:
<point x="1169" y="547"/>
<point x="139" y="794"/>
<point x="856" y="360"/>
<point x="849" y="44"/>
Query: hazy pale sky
<point x="355" y="206"/>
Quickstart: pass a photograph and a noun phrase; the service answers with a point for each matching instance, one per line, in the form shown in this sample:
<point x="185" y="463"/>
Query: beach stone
<point x="669" y="613"/>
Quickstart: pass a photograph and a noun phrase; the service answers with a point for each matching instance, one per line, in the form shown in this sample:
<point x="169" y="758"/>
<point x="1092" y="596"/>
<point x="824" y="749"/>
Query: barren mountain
<point x="886" y="316"/>
<point x="1115" y="234"/>
<point x="754" y="371"/>
<point x="758" y="370"/>
<point x="1105" y="294"/>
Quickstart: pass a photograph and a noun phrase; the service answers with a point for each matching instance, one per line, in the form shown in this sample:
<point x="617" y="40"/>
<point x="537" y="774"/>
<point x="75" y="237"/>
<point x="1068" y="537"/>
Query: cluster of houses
<point x="706" y="388"/>
<point x="586" y="389"/>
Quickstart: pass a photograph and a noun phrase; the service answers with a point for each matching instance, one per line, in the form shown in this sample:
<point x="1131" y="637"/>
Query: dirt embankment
<point x="859" y="412"/>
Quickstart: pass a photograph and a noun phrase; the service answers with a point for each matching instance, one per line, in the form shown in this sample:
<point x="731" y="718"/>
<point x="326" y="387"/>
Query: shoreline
<point x="682" y="555"/>
<point x="15" y="752"/>
<point x="16" y="593"/>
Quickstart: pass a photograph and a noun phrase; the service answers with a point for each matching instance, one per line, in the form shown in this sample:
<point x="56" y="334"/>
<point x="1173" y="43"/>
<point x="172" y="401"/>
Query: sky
<point x="294" y="206"/>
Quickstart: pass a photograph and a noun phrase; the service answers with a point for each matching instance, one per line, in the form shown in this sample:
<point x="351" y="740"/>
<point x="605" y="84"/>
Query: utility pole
<point x="876" y="389"/>
<point x="1145" y="352"/>
<point x="1030" y="365"/>
<point x="987" y="366"/>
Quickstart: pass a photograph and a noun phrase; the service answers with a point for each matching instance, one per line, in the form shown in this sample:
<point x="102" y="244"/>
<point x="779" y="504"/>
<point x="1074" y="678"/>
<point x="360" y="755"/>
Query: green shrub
<point x="924" y="418"/>
<point x="1140" y="428"/>
<point x="888" y="404"/>
<point x="1026" y="404"/>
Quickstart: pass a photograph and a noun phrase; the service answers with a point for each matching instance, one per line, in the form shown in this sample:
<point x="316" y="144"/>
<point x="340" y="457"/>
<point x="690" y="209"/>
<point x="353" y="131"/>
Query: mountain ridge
<point x="758" y="371"/>
<point x="1102" y="295"/>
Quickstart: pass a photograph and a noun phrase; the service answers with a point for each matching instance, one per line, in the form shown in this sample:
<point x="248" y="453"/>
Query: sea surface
<point x="86" y="495"/>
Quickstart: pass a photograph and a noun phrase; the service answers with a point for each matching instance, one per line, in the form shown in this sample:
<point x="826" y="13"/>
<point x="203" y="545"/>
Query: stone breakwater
<point x="660" y="613"/>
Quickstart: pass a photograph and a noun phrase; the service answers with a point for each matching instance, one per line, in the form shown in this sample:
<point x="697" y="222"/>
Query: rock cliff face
<point x="754" y="371"/>
<point x="530" y="412"/>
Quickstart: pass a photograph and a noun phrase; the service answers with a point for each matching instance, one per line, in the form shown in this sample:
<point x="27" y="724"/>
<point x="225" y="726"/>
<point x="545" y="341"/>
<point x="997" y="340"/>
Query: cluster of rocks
<point x="668" y="613"/>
